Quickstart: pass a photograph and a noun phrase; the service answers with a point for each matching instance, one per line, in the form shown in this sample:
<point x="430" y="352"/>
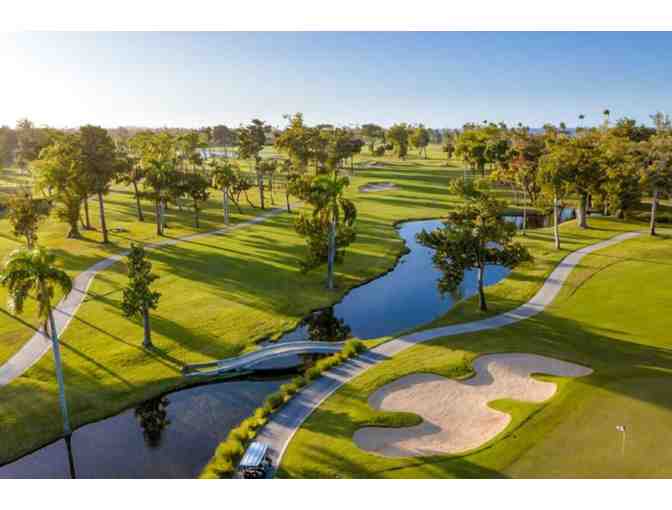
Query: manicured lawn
<point x="220" y="295"/>
<point x="611" y="315"/>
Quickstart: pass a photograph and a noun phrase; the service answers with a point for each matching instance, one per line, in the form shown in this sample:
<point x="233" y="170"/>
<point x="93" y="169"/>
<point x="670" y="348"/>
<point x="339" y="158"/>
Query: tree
<point x="523" y="167"/>
<point x="223" y="136"/>
<point x="60" y="175"/>
<point x="473" y="237"/>
<point x="32" y="273"/>
<point x="291" y="175"/>
<point x="99" y="164"/>
<point x="30" y="142"/>
<point x="295" y="141"/>
<point x="25" y="215"/>
<point x="554" y="173"/>
<point x="372" y="133"/>
<point x="580" y="159"/>
<point x="130" y="172"/>
<point x="606" y="114"/>
<point x="196" y="187"/>
<point x="622" y="159"/>
<point x="471" y="146"/>
<point x="662" y="122"/>
<point x="138" y="297"/>
<point x="156" y="155"/>
<point x="8" y="144"/>
<point x="330" y="227"/>
<point x="657" y="174"/>
<point x="252" y="139"/>
<point x="267" y="168"/>
<point x="419" y="138"/>
<point x="224" y="178"/>
<point x="449" y="148"/>
<point x="398" y="136"/>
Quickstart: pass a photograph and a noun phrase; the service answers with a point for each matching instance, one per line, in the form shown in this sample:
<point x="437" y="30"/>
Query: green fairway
<point x="610" y="315"/>
<point x="220" y="295"/>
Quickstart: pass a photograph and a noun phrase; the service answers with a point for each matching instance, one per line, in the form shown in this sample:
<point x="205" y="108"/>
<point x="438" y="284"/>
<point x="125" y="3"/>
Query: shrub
<point x="379" y="151"/>
<point x="289" y="389"/>
<point x="229" y="452"/>
<point x="299" y="382"/>
<point x="275" y="400"/>
<point x="313" y="373"/>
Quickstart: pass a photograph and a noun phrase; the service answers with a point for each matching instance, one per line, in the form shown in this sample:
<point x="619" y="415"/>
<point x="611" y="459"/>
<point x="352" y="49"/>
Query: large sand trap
<point x="456" y="416"/>
<point x="377" y="186"/>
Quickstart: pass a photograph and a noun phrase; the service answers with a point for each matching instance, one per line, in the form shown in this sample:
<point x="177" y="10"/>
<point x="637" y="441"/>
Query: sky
<point x="193" y="79"/>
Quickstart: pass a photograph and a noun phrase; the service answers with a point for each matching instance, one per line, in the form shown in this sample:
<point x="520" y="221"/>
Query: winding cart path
<point x="39" y="344"/>
<point x="282" y="426"/>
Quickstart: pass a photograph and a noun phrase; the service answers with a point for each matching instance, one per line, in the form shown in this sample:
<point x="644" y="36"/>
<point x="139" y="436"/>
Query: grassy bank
<point x="610" y="315"/>
<point x="220" y="295"/>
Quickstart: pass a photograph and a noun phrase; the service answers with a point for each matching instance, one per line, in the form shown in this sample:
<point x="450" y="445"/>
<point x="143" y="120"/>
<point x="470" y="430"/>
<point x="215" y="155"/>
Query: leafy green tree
<point x="138" y="297"/>
<point x="449" y="148"/>
<point x="251" y="140"/>
<point x="8" y="144"/>
<point x="224" y="136"/>
<point x="100" y="165"/>
<point x="188" y="147"/>
<point x="32" y="273"/>
<point x="131" y="173"/>
<point x="372" y="133"/>
<point x="157" y="158"/>
<point x="657" y="174"/>
<point x="291" y="174"/>
<point x="295" y="141"/>
<point x="267" y="169"/>
<point x="30" y="142"/>
<point x="330" y="227"/>
<point x="554" y="174"/>
<point x="196" y="187"/>
<point x="60" y="175"/>
<point x="398" y="136"/>
<point x="471" y="145"/>
<point x="473" y="237"/>
<point x="225" y="178"/>
<point x="419" y="138"/>
<point x="522" y="167"/>
<point x="25" y="214"/>
<point x="622" y="159"/>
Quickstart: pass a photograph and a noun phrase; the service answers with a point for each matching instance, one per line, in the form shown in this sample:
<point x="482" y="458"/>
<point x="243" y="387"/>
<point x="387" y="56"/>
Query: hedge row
<point x="228" y="453"/>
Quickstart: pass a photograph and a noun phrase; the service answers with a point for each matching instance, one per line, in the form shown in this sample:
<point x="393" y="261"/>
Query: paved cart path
<point x="278" y="432"/>
<point x="39" y="344"/>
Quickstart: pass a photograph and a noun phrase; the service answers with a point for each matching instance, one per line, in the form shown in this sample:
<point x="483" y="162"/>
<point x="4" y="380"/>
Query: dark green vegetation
<point x="608" y="316"/>
<point x="228" y="453"/>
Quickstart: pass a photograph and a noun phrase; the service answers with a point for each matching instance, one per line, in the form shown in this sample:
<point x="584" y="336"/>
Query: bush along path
<point x="40" y="344"/>
<point x="278" y="431"/>
<point x="229" y="452"/>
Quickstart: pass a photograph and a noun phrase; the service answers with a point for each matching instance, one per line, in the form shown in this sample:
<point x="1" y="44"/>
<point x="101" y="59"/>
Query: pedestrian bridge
<point x="247" y="362"/>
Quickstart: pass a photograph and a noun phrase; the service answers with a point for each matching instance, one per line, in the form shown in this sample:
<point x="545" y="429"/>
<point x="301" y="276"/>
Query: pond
<point x="169" y="437"/>
<point x="175" y="435"/>
<point x="404" y="298"/>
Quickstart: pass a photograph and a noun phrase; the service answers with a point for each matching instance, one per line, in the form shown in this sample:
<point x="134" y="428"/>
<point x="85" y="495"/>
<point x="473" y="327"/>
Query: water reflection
<point x="151" y="444"/>
<point x="153" y="419"/>
<point x="324" y="326"/>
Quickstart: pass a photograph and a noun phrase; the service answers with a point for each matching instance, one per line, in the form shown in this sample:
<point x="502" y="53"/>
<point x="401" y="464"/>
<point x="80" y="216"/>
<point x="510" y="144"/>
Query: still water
<point x="175" y="435"/>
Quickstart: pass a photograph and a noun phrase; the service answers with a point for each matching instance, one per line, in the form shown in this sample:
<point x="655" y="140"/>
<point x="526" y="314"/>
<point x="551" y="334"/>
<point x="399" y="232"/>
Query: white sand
<point x="377" y="186"/>
<point x="456" y="416"/>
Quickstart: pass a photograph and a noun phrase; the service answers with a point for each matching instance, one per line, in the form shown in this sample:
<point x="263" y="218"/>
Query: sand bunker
<point x="456" y="416"/>
<point x="377" y="186"/>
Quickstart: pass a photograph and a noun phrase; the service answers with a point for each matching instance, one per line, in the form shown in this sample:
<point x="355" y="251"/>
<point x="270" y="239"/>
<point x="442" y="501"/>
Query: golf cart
<point x="256" y="462"/>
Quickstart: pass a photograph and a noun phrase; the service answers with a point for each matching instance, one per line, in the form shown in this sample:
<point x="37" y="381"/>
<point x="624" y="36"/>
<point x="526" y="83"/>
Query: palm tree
<point x="606" y="114"/>
<point x="330" y="206"/>
<point x="581" y="117"/>
<point x="29" y="272"/>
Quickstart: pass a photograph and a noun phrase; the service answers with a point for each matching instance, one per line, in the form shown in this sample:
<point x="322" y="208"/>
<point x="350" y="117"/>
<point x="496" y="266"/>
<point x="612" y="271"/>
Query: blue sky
<point x="440" y="79"/>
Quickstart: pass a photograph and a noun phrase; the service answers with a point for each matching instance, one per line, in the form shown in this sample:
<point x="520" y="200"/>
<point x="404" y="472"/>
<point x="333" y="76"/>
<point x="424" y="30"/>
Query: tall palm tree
<point x="32" y="273"/>
<point x="330" y="207"/>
